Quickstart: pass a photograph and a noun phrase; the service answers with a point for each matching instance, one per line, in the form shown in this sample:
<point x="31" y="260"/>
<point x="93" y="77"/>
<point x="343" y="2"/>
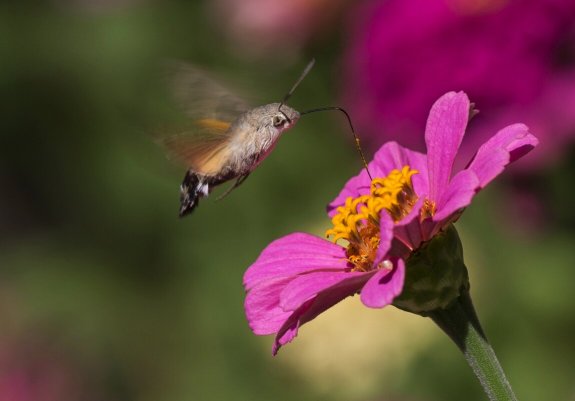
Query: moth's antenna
<point x="294" y="87"/>
<point x="357" y="144"/>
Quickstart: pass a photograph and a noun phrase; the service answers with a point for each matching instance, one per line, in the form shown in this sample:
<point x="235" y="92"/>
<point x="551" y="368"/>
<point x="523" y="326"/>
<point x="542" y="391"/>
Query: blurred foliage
<point x="142" y="306"/>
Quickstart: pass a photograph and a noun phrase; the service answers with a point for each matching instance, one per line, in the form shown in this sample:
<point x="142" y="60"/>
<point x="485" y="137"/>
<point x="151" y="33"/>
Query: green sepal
<point x="435" y="274"/>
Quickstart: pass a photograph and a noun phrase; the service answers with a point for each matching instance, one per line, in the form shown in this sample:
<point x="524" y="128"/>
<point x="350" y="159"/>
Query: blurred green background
<point x="106" y="295"/>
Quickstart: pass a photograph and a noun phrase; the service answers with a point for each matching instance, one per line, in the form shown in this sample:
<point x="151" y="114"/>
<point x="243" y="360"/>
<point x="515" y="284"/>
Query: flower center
<point x="357" y="221"/>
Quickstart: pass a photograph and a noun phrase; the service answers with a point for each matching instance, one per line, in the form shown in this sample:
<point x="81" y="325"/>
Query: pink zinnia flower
<point x="412" y="197"/>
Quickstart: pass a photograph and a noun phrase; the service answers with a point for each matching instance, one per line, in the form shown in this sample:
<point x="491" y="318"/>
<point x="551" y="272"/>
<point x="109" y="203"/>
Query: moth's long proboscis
<point x="357" y="143"/>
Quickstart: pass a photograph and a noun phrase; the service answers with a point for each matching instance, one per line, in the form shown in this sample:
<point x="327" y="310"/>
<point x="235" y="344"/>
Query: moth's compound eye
<point x="278" y="120"/>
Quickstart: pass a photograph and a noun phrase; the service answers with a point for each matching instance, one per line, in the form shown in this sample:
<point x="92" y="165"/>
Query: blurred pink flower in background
<point x="33" y="371"/>
<point x="277" y="26"/>
<point x="38" y="362"/>
<point x="514" y="58"/>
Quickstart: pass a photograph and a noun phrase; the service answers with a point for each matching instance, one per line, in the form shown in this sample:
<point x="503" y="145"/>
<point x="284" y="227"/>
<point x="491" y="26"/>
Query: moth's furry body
<point x="236" y="153"/>
<point x="216" y="135"/>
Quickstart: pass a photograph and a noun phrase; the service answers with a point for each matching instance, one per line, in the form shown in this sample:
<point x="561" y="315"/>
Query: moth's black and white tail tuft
<point x="192" y="189"/>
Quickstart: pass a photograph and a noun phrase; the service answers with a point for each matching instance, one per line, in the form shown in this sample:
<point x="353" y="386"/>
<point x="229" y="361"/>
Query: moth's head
<point x="276" y="119"/>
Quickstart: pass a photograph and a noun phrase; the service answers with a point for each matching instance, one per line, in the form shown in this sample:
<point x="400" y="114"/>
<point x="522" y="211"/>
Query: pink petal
<point x="408" y="229"/>
<point x="443" y="134"/>
<point x="457" y="195"/>
<point x="308" y="286"/>
<point x="394" y="156"/>
<point x="295" y="254"/>
<point x="288" y="331"/>
<point x="386" y="225"/>
<point x="384" y="286"/>
<point x="262" y="306"/>
<point x="508" y="145"/>
<point x="313" y="307"/>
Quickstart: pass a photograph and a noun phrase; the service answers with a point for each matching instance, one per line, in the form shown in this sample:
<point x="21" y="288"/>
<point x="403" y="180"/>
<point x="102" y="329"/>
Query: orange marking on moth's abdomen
<point x="217" y="126"/>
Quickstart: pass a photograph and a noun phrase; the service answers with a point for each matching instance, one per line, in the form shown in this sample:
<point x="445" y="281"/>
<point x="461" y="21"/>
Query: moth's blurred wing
<point x="199" y="96"/>
<point x="203" y="148"/>
<point x="199" y="134"/>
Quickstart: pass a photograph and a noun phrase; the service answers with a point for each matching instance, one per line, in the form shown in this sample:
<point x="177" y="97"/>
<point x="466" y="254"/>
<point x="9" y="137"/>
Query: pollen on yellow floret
<point x="346" y="219"/>
<point x="357" y="221"/>
<point x="428" y="209"/>
<point x="393" y="193"/>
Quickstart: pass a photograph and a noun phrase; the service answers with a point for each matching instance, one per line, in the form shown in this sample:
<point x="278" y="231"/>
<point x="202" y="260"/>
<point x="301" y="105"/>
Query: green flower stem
<point x="459" y="321"/>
